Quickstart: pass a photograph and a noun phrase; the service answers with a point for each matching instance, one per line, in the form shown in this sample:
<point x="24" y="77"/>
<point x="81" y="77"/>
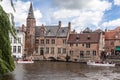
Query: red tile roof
<point x="84" y="37"/>
<point x="109" y="35"/>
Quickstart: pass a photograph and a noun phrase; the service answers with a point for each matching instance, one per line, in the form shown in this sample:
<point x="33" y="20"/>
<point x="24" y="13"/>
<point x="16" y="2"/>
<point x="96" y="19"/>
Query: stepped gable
<point x="99" y="31"/>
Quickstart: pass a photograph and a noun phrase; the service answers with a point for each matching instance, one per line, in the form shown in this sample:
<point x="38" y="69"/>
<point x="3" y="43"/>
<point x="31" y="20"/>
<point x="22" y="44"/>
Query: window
<point x="36" y="49"/>
<point x="14" y="49"/>
<point x="81" y="54"/>
<point x="64" y="41"/>
<point x="19" y="40"/>
<point x="42" y="41"/>
<point x="47" y="49"/>
<point x="41" y="51"/>
<point x="87" y="52"/>
<point x="53" y="41"/>
<point x="77" y="38"/>
<point x="71" y="52"/>
<point x="47" y="41"/>
<point x="94" y="53"/>
<point x="82" y="44"/>
<point x="64" y="50"/>
<point x="19" y="49"/>
<point x="15" y="41"/>
<point x="88" y="37"/>
<point x="37" y="41"/>
<point x="52" y="50"/>
<point x="59" y="50"/>
<point x="71" y="44"/>
<point x="112" y="43"/>
<point x="76" y="44"/>
<point x="63" y="31"/>
<point x="87" y="45"/>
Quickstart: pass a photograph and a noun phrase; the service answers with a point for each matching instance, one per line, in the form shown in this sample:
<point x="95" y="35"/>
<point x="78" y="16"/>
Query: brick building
<point x="85" y="46"/>
<point x="56" y="42"/>
<point x="112" y="41"/>
<point x="45" y="42"/>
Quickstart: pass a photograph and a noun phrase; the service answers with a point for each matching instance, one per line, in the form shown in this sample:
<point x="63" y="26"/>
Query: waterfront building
<point x="45" y="42"/>
<point x="17" y="43"/>
<point x="112" y="41"/>
<point x="85" y="46"/>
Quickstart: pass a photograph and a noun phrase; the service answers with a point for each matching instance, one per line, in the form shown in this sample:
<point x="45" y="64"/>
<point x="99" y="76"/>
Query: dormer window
<point x="116" y="36"/>
<point x="77" y="38"/>
<point x="88" y="37"/>
<point x="49" y="30"/>
<point x="63" y="31"/>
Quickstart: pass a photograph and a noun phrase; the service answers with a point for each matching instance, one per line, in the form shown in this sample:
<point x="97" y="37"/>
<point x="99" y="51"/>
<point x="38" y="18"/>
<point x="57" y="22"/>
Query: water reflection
<point x="44" y="70"/>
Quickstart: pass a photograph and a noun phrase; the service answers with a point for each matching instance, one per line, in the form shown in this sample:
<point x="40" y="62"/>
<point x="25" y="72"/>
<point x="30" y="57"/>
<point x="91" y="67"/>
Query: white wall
<point x="20" y="35"/>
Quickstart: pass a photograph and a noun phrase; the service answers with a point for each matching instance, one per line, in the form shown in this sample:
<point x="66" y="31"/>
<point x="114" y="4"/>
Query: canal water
<point x="47" y="70"/>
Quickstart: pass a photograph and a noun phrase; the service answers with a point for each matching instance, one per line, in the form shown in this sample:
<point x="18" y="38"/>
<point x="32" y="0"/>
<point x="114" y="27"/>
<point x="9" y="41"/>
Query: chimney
<point x="42" y="25"/>
<point x="59" y="24"/>
<point x="69" y="25"/>
<point x="23" y="27"/>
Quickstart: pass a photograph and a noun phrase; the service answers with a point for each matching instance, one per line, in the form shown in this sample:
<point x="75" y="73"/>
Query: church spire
<point x="31" y="13"/>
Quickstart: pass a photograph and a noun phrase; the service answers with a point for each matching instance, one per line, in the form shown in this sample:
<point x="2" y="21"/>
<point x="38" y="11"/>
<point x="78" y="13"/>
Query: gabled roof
<point x="84" y="37"/>
<point x="112" y="35"/>
<point x="99" y="31"/>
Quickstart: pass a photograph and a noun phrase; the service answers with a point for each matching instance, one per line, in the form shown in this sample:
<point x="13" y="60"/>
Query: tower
<point x="30" y="32"/>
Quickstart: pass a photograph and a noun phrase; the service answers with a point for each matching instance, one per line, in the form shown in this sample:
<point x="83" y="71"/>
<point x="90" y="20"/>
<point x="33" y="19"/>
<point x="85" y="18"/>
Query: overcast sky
<point x="95" y="14"/>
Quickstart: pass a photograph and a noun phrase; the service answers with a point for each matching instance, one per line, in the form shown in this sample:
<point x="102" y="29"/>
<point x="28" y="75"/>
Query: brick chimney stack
<point x="23" y="27"/>
<point x="69" y="25"/>
<point x="59" y="24"/>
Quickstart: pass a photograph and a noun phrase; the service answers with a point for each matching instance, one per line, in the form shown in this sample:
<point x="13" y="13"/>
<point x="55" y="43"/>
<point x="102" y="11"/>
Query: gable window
<point x="87" y="45"/>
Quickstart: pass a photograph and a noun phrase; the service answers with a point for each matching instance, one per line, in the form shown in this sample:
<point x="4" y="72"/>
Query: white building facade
<point x="18" y="43"/>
